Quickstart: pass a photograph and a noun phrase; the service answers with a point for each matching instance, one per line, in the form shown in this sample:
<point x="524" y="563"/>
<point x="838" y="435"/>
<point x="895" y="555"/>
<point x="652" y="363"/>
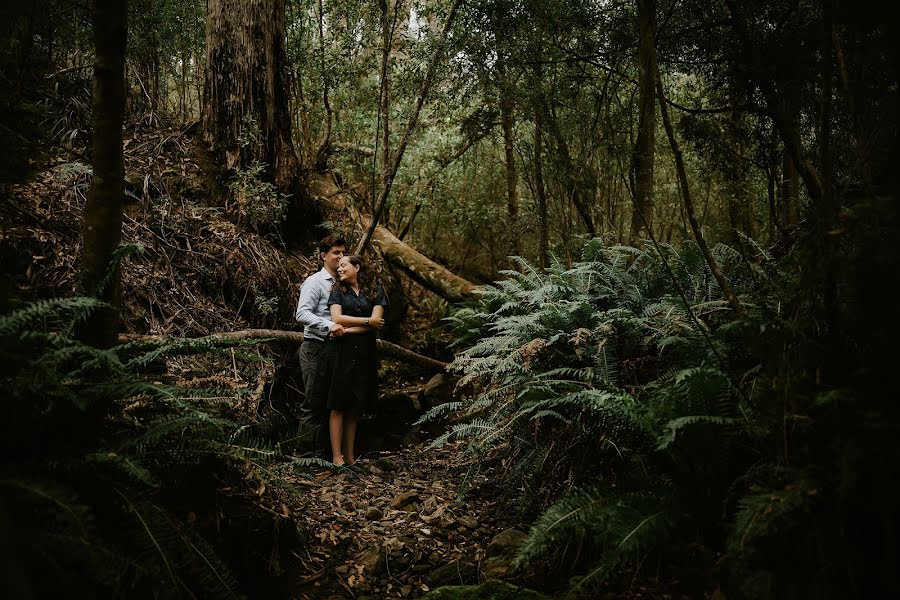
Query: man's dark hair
<point x="330" y="241"/>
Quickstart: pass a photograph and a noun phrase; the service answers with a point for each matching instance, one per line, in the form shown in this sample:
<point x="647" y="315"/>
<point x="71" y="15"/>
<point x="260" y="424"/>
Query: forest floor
<point x="399" y="526"/>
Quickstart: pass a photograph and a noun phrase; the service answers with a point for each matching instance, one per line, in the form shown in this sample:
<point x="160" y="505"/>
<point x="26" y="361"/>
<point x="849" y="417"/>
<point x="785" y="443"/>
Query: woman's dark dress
<point x="354" y="385"/>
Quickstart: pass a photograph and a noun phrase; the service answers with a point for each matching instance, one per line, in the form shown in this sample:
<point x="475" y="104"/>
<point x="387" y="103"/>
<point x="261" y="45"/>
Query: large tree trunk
<point x="246" y="87"/>
<point x="644" y="155"/>
<point x="418" y="267"/>
<point x="102" y="232"/>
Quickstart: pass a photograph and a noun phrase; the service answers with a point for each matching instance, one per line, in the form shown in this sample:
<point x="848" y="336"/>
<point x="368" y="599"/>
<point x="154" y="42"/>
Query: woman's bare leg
<point x="349" y="437"/>
<point x="336" y="431"/>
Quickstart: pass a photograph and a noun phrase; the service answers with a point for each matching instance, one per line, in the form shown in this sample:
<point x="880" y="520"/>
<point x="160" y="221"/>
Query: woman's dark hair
<point x="368" y="287"/>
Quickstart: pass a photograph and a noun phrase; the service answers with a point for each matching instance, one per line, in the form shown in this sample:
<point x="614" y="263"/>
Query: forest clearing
<point x="449" y="299"/>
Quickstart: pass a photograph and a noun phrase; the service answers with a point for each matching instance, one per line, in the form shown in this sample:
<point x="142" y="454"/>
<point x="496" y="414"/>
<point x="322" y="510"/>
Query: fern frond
<point x="38" y="315"/>
<point x="675" y="426"/>
<point x="765" y="514"/>
<point x="438" y="411"/>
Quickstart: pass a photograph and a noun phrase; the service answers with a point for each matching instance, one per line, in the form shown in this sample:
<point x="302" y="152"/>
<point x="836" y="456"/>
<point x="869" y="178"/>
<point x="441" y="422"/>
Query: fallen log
<point x="388" y="348"/>
<point x="419" y="267"/>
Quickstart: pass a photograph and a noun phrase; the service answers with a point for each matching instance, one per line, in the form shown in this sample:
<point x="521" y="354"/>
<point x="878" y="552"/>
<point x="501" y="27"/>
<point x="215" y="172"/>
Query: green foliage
<point x="622" y="524"/>
<point x="258" y="202"/>
<point x="90" y="447"/>
<point x="648" y="420"/>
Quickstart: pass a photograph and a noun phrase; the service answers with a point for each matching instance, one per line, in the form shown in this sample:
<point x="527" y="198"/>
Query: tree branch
<point x="296" y="337"/>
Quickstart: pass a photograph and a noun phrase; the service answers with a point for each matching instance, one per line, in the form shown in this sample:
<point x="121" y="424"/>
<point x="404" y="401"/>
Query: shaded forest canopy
<point x="654" y="240"/>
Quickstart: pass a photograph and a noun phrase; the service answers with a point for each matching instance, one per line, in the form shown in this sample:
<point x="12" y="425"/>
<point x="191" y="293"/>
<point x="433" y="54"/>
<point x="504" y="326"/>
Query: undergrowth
<point x="643" y="426"/>
<point x="109" y="477"/>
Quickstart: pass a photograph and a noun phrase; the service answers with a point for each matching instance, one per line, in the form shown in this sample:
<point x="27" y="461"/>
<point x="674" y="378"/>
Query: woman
<point x="357" y="302"/>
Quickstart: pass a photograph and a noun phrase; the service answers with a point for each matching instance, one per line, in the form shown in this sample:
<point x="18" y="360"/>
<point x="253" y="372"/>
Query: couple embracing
<point x="341" y="307"/>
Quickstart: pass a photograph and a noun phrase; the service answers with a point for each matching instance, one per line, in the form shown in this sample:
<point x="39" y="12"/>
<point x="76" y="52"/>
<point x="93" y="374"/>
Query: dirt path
<point x="397" y="530"/>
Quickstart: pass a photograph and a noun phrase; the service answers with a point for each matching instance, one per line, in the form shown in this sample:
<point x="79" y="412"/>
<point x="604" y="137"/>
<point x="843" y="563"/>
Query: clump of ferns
<point x="553" y="356"/>
<point x="89" y="447"/>
<point x="675" y="471"/>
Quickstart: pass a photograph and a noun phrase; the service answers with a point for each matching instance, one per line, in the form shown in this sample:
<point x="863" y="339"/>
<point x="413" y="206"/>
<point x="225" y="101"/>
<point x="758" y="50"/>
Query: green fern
<point x="555" y="348"/>
<point x="437" y="412"/>
<point x="619" y="527"/>
<point x="83" y="482"/>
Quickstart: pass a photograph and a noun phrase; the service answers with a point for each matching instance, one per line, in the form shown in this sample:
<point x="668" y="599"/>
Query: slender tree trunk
<point x="412" y="218"/>
<point x="689" y="205"/>
<point x="790" y="180"/>
<point x="199" y="68"/>
<point x="828" y="205"/>
<point x="102" y="230"/>
<point x="246" y="81"/>
<point x="564" y="157"/>
<point x="384" y="91"/>
<point x="739" y="208"/>
<point x="773" y="211"/>
<point x="321" y="153"/>
<point x="153" y="79"/>
<point x="512" y="180"/>
<point x="389" y="174"/>
<point x="789" y="190"/>
<point x="781" y="118"/>
<point x="182" y="87"/>
<point x="543" y="247"/>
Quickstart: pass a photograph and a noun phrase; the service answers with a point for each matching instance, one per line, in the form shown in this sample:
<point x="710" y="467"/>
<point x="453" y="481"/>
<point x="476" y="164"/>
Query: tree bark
<point x="418" y="267"/>
<point x="644" y="155"/>
<point x="321" y="153"/>
<point x="102" y="228"/>
<point x="246" y="80"/>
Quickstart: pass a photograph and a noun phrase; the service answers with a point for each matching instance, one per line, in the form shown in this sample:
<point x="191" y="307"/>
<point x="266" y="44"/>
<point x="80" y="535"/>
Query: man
<point x="312" y="312"/>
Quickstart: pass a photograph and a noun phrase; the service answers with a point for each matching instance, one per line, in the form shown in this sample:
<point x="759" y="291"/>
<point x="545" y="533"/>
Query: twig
<point x="68" y="70"/>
